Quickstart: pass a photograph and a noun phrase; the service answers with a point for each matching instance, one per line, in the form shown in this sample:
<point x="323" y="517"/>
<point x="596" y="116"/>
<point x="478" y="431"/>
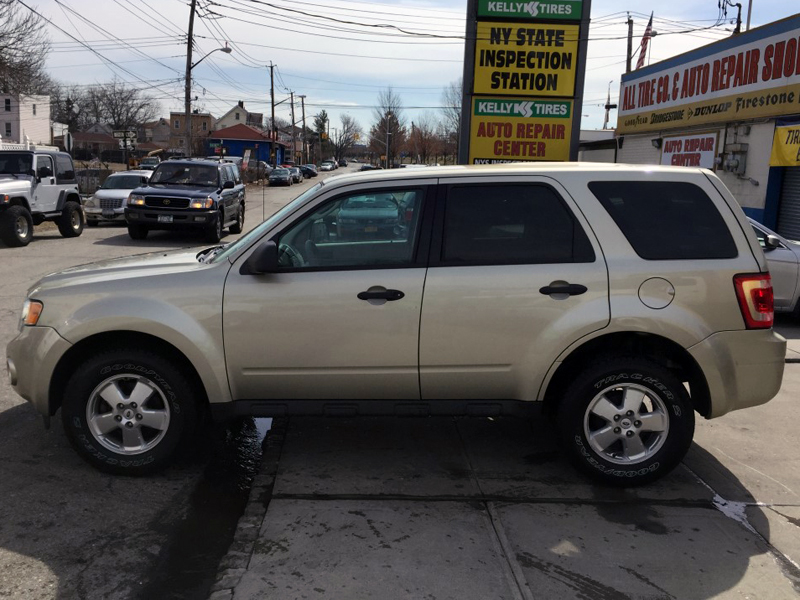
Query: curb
<point x="235" y="562"/>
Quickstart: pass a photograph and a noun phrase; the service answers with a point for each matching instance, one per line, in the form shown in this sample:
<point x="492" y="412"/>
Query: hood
<point x="181" y="191"/>
<point x="140" y="265"/>
<point x="11" y="185"/>
<point x="112" y="194"/>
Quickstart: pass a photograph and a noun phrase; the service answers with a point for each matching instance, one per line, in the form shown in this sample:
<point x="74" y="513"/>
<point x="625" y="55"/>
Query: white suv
<point x="617" y="300"/>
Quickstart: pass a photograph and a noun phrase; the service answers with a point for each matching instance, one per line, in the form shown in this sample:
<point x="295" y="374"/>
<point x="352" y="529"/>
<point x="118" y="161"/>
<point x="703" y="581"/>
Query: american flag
<point x="645" y="39"/>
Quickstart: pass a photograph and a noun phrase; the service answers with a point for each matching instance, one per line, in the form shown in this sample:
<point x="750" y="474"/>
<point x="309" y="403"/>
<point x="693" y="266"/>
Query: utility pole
<point x="294" y="142"/>
<point x="630" y="45"/>
<point x="303" y="107"/>
<point x="749" y="11"/>
<point x="272" y="102"/>
<point x="187" y="98"/>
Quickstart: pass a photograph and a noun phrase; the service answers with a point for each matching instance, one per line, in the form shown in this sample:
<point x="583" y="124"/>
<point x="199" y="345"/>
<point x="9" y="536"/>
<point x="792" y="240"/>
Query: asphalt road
<point x="67" y="531"/>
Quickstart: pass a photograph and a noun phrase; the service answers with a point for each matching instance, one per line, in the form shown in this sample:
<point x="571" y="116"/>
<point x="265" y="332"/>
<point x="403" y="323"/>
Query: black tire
<point x="92" y="223"/>
<point x="137" y="231"/>
<point x="239" y="225"/>
<point x="16" y="226"/>
<point x="214" y="233"/>
<point x="626" y="448"/>
<point x="72" y="220"/>
<point x="170" y="406"/>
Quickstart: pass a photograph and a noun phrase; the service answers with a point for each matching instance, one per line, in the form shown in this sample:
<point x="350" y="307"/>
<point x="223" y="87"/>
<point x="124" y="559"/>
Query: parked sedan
<point x="326" y="166"/>
<point x="369" y="217"/>
<point x="308" y="170"/>
<point x="280" y="177"/>
<point x="297" y="174"/>
<point x="108" y="202"/>
<point x="783" y="259"/>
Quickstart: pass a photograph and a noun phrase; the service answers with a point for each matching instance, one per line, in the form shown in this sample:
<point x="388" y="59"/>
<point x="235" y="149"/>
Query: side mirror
<point x="228" y="185"/>
<point x="772" y="242"/>
<point x="263" y="260"/>
<point x="45" y="172"/>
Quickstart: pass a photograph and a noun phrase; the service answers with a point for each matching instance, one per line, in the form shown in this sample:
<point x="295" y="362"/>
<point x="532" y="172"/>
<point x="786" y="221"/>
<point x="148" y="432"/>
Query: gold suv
<point x="617" y="300"/>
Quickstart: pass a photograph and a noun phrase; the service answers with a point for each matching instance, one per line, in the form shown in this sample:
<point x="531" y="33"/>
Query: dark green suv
<point x="188" y="194"/>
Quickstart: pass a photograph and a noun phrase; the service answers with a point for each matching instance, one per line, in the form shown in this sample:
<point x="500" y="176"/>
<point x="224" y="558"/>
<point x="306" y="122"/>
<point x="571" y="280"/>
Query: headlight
<point x="135" y="200"/>
<point x="90" y="202"/>
<point x="202" y="203"/>
<point x="31" y="311"/>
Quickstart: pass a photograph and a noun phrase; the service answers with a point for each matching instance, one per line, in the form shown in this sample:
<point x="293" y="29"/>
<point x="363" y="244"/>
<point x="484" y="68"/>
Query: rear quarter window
<point x="666" y="220"/>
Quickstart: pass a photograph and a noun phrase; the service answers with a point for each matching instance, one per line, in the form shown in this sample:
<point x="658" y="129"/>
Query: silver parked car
<point x="108" y="202"/>
<point x="783" y="259"/>
<point x="619" y="300"/>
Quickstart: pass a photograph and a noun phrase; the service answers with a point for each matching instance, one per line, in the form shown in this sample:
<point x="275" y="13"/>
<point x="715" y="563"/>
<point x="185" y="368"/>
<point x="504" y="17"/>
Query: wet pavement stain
<point x="186" y="567"/>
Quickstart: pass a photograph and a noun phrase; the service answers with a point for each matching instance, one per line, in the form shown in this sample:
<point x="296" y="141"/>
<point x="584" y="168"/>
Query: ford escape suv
<point x="619" y="301"/>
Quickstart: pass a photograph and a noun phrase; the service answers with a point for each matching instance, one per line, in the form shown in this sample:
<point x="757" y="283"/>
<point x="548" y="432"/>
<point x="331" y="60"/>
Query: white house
<point x="22" y="116"/>
<point x="239" y="115"/>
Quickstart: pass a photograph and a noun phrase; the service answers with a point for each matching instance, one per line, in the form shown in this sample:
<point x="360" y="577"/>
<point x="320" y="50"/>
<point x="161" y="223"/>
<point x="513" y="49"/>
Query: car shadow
<point x="568" y="535"/>
<point x="68" y="531"/>
<point x="158" y="239"/>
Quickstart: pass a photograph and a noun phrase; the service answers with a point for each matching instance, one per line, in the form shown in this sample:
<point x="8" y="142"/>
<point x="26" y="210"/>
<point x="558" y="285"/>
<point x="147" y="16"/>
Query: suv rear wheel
<point x="626" y="421"/>
<point x="16" y="226"/>
<point x="71" y="221"/>
<point x="126" y="411"/>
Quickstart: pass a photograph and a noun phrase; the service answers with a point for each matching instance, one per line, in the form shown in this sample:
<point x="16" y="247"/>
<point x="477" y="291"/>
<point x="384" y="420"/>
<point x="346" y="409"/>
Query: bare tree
<point x="321" y="122"/>
<point x="24" y="45"/>
<point x="388" y="134"/>
<point x="451" y="103"/>
<point x="124" y="107"/>
<point x="423" y="143"/>
<point x="346" y="137"/>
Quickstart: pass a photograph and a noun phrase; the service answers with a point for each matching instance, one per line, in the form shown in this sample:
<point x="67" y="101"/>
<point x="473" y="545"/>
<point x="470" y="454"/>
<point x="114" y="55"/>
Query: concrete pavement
<point x="488" y="508"/>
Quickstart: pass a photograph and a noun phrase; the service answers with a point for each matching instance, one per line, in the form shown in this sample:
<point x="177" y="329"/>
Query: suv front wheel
<point x="16" y="226"/>
<point x="126" y="411"/>
<point x="626" y="421"/>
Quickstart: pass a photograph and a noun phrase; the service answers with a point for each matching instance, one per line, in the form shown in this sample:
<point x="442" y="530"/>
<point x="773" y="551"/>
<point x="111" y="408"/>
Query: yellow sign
<point x="786" y="147"/>
<point x="737" y="107"/>
<point x="517" y="129"/>
<point x="517" y="59"/>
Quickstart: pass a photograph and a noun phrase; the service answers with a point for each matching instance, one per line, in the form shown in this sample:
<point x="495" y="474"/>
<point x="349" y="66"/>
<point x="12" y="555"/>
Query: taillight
<point x="754" y="292"/>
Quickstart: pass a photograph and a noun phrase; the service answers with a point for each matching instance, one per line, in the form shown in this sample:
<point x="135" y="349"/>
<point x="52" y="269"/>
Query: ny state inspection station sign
<point x="517" y="129"/>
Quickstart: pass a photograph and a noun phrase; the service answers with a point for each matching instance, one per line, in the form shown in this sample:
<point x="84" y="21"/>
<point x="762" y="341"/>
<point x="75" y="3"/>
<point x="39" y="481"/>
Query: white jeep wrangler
<point x="37" y="184"/>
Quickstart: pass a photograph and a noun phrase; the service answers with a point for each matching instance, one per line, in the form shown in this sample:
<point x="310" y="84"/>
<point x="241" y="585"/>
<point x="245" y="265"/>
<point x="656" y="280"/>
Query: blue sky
<point x="339" y="54"/>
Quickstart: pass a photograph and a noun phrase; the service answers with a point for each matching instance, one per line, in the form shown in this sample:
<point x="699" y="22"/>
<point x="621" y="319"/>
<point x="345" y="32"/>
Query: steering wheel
<point x="289" y="257"/>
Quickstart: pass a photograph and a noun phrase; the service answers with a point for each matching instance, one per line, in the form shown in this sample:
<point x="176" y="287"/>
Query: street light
<point x="188" y="92"/>
<point x="388" y="133"/>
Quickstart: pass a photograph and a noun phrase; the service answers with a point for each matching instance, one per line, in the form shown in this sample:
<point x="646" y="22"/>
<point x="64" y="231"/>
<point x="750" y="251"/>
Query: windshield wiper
<point x="208" y="253"/>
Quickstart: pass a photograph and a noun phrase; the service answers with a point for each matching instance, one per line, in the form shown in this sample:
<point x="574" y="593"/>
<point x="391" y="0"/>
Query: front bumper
<point x="185" y="218"/>
<point x="32" y="357"/>
<point x="98" y="214"/>
<point x="742" y="368"/>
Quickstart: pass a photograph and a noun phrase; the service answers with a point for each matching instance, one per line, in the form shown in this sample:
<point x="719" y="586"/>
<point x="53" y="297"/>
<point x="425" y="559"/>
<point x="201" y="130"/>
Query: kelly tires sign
<point x="517" y="129"/>
<point x="555" y="9"/>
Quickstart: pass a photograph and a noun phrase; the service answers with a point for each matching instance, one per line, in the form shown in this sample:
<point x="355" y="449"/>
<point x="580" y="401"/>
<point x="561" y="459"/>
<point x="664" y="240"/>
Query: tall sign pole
<point x="524" y="67"/>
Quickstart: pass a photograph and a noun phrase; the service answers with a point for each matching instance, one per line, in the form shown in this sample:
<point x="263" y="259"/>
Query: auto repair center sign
<point x="508" y="130"/>
<point x="698" y="150"/>
<point x="523" y="79"/>
<point x="751" y="75"/>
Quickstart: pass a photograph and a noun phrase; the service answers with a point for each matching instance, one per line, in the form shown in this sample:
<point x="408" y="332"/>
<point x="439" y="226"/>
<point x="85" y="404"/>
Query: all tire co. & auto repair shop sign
<point x="523" y="75"/>
<point x="751" y="75"/>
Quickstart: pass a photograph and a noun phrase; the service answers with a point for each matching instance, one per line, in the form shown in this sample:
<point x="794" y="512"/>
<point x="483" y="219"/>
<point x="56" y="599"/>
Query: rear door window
<point x="666" y="220"/>
<point x="511" y="224"/>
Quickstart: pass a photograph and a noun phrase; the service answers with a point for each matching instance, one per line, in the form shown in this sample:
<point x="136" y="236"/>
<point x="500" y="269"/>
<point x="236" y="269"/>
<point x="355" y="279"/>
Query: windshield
<point x="185" y="174"/>
<point x="382" y="201"/>
<point x="16" y="163"/>
<point x="121" y="182"/>
<point x="277" y="172"/>
<point x="257" y="232"/>
<point x="150" y="161"/>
